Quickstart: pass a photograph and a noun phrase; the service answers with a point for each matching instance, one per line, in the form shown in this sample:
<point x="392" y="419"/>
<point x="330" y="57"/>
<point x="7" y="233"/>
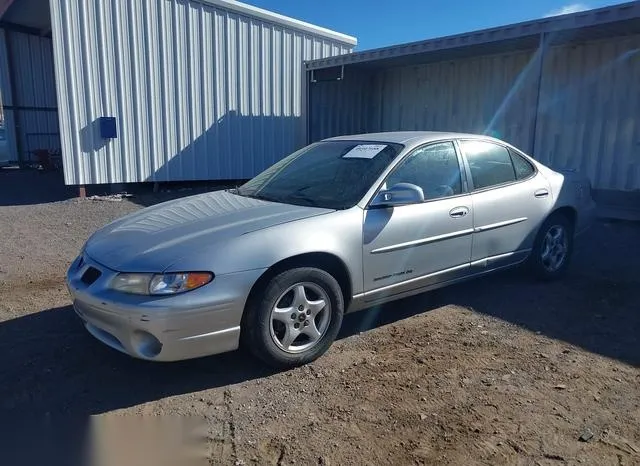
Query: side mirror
<point x="399" y="194"/>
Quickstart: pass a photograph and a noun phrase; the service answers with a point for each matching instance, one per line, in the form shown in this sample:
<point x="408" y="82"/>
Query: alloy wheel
<point x="555" y="247"/>
<point x="300" y="317"/>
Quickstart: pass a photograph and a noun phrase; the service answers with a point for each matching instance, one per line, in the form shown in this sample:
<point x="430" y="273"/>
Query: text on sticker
<point x="364" y="151"/>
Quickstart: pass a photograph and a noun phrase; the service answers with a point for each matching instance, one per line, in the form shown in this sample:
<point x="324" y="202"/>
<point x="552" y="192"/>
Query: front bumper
<point x="198" y="323"/>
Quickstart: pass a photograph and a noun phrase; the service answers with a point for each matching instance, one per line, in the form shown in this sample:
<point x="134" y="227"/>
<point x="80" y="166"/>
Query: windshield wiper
<point x="260" y="197"/>
<point x="301" y="197"/>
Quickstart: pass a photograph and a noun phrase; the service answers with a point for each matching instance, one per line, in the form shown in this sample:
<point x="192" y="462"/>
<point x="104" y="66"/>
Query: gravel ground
<point x="501" y="370"/>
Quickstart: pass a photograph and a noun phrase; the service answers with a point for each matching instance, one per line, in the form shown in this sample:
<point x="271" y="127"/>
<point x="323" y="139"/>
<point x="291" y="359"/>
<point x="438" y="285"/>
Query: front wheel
<point x="296" y="318"/>
<point x="553" y="248"/>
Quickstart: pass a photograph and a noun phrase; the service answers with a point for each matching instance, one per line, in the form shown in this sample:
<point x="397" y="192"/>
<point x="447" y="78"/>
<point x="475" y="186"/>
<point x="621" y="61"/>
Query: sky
<point x="377" y="23"/>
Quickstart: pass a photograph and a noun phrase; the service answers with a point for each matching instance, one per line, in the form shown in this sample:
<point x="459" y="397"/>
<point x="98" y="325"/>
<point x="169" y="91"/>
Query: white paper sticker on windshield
<point x="364" y="151"/>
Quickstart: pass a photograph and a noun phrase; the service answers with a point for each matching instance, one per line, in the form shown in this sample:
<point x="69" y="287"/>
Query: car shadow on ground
<point x="50" y="365"/>
<point x="599" y="315"/>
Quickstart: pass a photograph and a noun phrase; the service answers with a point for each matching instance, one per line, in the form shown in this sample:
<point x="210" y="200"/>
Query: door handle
<point x="541" y="193"/>
<point x="458" y="212"/>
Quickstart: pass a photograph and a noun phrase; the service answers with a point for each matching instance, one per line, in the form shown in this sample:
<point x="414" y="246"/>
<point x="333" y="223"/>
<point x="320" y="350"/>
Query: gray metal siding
<point x="341" y="107"/>
<point x="29" y="95"/>
<point x="198" y="91"/>
<point x="589" y="116"/>
<point x="32" y="70"/>
<point x="588" y="113"/>
<point x="490" y="95"/>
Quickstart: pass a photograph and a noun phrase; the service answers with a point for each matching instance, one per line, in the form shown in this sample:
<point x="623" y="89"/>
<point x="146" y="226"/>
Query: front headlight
<point x="171" y="283"/>
<point x="135" y="283"/>
<point x="162" y="284"/>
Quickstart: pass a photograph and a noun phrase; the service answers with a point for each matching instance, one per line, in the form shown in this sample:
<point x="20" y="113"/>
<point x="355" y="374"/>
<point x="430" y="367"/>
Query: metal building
<point x="156" y="90"/>
<point x="565" y="89"/>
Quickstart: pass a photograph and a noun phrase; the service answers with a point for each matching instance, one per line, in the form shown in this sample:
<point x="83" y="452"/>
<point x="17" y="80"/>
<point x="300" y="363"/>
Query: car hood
<point x="152" y="239"/>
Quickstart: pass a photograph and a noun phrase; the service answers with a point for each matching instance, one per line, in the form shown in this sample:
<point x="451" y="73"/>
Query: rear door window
<point x="490" y="164"/>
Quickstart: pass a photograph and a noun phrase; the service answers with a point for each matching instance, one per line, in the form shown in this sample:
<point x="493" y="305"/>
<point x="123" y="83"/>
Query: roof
<point x="250" y="10"/>
<point x="616" y="20"/>
<point x="405" y="137"/>
<point x="35" y="15"/>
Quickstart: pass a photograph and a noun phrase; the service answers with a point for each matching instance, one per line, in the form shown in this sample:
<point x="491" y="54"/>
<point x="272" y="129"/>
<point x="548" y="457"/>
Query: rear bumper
<point x="171" y="328"/>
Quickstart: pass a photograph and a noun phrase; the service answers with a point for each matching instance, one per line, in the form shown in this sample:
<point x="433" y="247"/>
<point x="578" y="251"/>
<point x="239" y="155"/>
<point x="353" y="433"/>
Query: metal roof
<point x="610" y="21"/>
<point x="270" y="16"/>
<point x="35" y="14"/>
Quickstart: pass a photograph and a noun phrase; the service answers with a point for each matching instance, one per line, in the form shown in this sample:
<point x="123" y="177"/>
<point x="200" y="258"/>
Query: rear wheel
<point x="553" y="248"/>
<point x="295" y="319"/>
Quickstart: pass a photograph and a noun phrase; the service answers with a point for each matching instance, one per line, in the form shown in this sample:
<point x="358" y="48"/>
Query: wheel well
<point x="567" y="212"/>
<point x="320" y="260"/>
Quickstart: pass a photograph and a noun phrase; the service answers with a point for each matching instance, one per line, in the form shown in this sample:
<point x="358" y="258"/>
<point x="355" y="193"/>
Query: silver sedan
<point x="338" y="226"/>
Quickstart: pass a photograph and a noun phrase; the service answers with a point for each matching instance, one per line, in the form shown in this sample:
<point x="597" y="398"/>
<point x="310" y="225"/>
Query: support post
<point x="82" y="191"/>
<point x="542" y="47"/>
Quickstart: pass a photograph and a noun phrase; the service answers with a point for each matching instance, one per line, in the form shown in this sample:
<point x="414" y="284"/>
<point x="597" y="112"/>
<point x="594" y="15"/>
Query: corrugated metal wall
<point x="8" y="146"/>
<point x="342" y="107"/>
<point x="199" y="92"/>
<point x="490" y="94"/>
<point x="589" y="107"/>
<point x="589" y="116"/>
<point x="27" y="81"/>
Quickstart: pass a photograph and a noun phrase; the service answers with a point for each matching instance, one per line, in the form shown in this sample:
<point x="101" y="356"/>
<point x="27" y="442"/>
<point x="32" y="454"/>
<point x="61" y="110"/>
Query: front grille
<point x="90" y="275"/>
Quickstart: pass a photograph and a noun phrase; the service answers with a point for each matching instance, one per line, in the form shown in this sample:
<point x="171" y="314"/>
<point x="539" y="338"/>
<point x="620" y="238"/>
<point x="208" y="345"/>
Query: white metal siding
<point x="198" y="91"/>
<point x="589" y="117"/>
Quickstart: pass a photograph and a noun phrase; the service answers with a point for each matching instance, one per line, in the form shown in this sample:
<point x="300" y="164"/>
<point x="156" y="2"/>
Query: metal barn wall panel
<point x="29" y="94"/>
<point x="5" y="81"/>
<point x="341" y="106"/>
<point x="32" y="70"/>
<point x="10" y="151"/>
<point x="490" y="94"/>
<point x="589" y="116"/>
<point x="198" y="91"/>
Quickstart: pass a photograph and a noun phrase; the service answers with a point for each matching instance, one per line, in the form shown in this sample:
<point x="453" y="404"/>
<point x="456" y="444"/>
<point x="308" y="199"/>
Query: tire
<point x="544" y="263"/>
<point x="268" y="330"/>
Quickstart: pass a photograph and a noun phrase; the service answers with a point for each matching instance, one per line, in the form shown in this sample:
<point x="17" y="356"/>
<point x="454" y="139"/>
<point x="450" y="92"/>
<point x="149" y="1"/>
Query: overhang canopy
<point x="617" y="20"/>
<point x="29" y="15"/>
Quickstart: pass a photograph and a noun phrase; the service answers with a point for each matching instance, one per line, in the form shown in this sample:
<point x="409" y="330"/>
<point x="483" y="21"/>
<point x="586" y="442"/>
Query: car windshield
<point x="329" y="174"/>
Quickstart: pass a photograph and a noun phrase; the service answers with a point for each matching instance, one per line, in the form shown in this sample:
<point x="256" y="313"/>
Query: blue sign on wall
<point x="108" y="128"/>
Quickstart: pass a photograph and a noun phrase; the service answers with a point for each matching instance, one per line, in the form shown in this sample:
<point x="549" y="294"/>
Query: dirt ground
<point x="501" y="370"/>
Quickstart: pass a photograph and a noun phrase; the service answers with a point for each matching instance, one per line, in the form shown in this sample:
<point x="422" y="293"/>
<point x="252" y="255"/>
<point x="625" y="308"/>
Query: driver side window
<point x="434" y="168"/>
